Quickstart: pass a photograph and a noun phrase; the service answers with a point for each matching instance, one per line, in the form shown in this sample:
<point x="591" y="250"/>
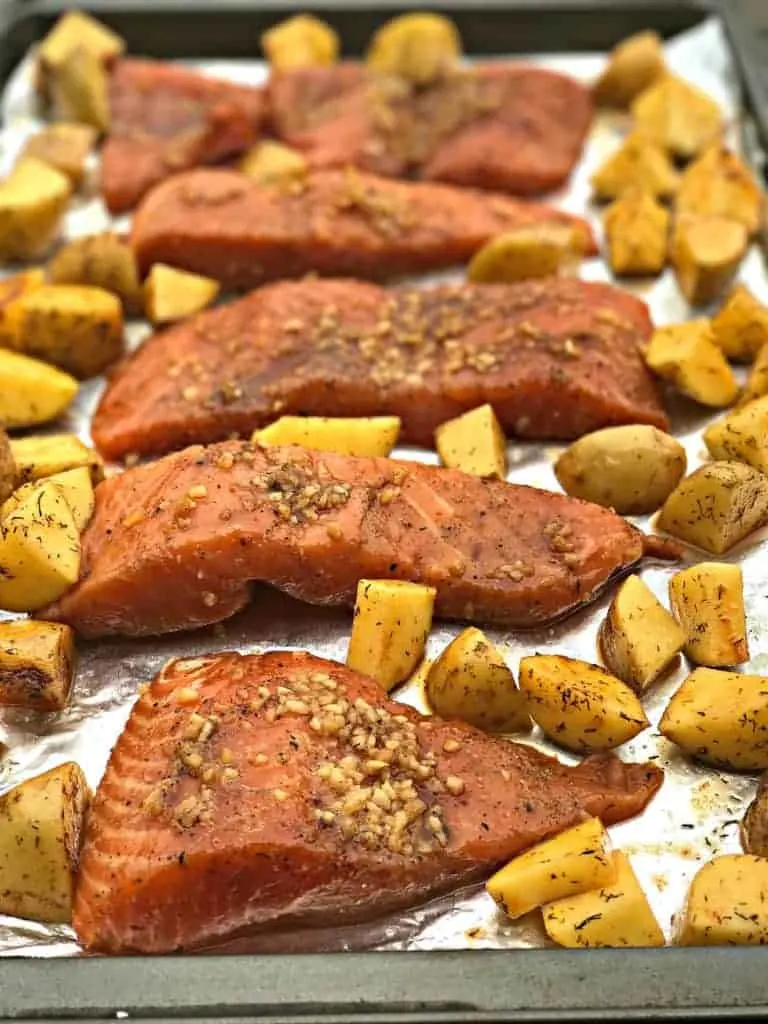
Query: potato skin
<point x="539" y="250"/>
<point x="104" y="261"/>
<point x="634" y="65"/>
<point x="740" y="327"/>
<point x="37" y="661"/>
<point x="754" y="826"/>
<point x="708" y="601"/>
<point x="7" y="467"/>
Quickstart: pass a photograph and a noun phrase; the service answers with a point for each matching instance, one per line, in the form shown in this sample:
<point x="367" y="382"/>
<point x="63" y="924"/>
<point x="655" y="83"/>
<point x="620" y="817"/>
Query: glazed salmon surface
<point x="174" y="544"/>
<point x="335" y="222"/>
<point x="555" y="358"/>
<point x="280" y="789"/>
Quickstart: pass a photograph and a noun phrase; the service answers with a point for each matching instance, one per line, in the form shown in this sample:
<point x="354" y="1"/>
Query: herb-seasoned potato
<point x="638" y="163"/>
<point x="63" y="146"/>
<point x="75" y="486"/>
<point x="390" y="629"/>
<point x="618" y="915"/>
<point x="471" y="681"/>
<point x="32" y="392"/>
<point x="11" y="288"/>
<point x="103" y="260"/>
<point x="740" y="327"/>
<point x="742" y="435"/>
<point x="8" y="470"/>
<point x="716" y="506"/>
<point x="41" y="455"/>
<point x="33" y="199"/>
<point x="706" y="253"/>
<point x="757" y="382"/>
<point x="37" y="663"/>
<point x="75" y="30"/>
<point x="720" y="184"/>
<point x="419" y="46"/>
<point x="708" y="602"/>
<point x="41" y="823"/>
<point x="474" y="443"/>
<point x="678" y="116"/>
<point x="79" y="89"/>
<point x="636" y="229"/>
<point x="269" y="163"/>
<point x="754" y="825"/>
<point x="580" y="706"/>
<point x="639" y="638"/>
<point x="574" y="861"/>
<point x="720" y="718"/>
<point x="538" y="250"/>
<point x="300" y="42"/>
<point x="727" y="903"/>
<point x="364" y="435"/>
<point x="631" y="469"/>
<point x="686" y="356"/>
<point x="633" y="65"/>
<point x="172" y="294"/>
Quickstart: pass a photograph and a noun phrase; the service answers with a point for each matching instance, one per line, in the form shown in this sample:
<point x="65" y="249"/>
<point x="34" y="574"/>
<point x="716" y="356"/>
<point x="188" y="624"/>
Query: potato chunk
<point x="33" y="199"/>
<point x="618" y="915"/>
<point x="538" y="250"/>
<point x="32" y="392"/>
<point x="580" y="706"/>
<point x="39" y="456"/>
<point x="720" y="718"/>
<point x="104" y="261"/>
<point x="631" y="469"/>
<point x="708" y="602"/>
<point x="706" y="253"/>
<point x="365" y="435"/>
<point x="716" y="506"/>
<point x="390" y="629"/>
<point x="419" y="46"/>
<point x="65" y="147"/>
<point x="8" y="470"/>
<point x="574" y="861"/>
<point x="719" y="184"/>
<point x="757" y="382"/>
<point x="638" y="163"/>
<point x="37" y="664"/>
<point x="471" y="681"/>
<point x="678" y="116"/>
<point x="79" y="89"/>
<point x="754" y="826"/>
<point x="172" y="294"/>
<point x="727" y="903"/>
<point x="76" y="488"/>
<point x="474" y="443"/>
<point x="741" y="435"/>
<point x="633" y="65"/>
<point x="686" y="356"/>
<point x="269" y="163"/>
<point x="636" y="228"/>
<point x="300" y="42"/>
<point x="740" y="327"/>
<point x="75" y="30"/>
<point x="639" y="638"/>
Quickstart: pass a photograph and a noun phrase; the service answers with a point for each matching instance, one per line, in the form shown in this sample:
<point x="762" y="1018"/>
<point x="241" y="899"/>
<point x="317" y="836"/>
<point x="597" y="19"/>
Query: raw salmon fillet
<point x="165" y="119"/>
<point x="502" y="126"/>
<point x="555" y="358"/>
<point x="263" y="791"/>
<point x="174" y="544"/>
<point x="336" y="222"/>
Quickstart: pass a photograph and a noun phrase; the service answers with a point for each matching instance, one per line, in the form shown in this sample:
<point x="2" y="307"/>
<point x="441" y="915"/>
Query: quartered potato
<point x="708" y="601"/>
<point x="757" y="382"/>
<point x="102" y="260"/>
<point x="754" y="825"/>
<point x="740" y="327"/>
<point x="716" y="506"/>
<point x="42" y="455"/>
<point x="37" y="664"/>
<point x="31" y="392"/>
<point x="300" y="42"/>
<point x="390" y="629"/>
<point x="580" y="706"/>
<point x="686" y="356"/>
<point x="65" y="147"/>
<point x="720" y="184"/>
<point x="471" y="681"/>
<point x="75" y="30"/>
<point x="706" y="253"/>
<point x="638" y="637"/>
<point x="618" y="915"/>
<point x="633" y="65"/>
<point x="79" y="89"/>
<point x="720" y="718"/>
<point x="639" y="163"/>
<point x="364" y="435"/>
<point x="573" y="862"/>
<point x="8" y="470"/>
<point x="678" y="116"/>
<point x="727" y="903"/>
<point x="474" y="443"/>
<point x="538" y="250"/>
<point x="172" y="294"/>
<point x="631" y="469"/>
<point x="636" y="229"/>
<point x="741" y="435"/>
<point x="76" y="487"/>
<point x="269" y="163"/>
<point x="419" y="47"/>
<point x="33" y="200"/>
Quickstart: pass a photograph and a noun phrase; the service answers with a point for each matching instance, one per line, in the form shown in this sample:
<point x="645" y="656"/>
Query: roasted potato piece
<point x="638" y="163"/>
<point x="33" y="199"/>
<point x="636" y="229"/>
<point x="686" y="356"/>
<point x="79" y="89"/>
<point x="580" y="706"/>
<point x="8" y="470"/>
<point x="37" y="664"/>
<point x="574" y="861"/>
<point x="633" y="65"/>
<point x="716" y="506"/>
<point x="41" y="823"/>
<point x="32" y="392"/>
<point x="720" y="718"/>
<point x="172" y="294"/>
<point x="754" y="826"/>
<point x="638" y="637"/>
<point x="104" y="261"/>
<point x="708" y="601"/>
<point x="270" y="163"/>
<point x="720" y="184"/>
<point x="706" y="253"/>
<point x="39" y="456"/>
<point x="618" y="915"/>
<point x="474" y="443"/>
<point x="742" y="435"/>
<point x="390" y="629"/>
<point x="727" y="903"/>
<point x="678" y="116"/>
<point x="538" y="250"/>
<point x="72" y="31"/>
<point x="64" y="147"/>
<point x="300" y="42"/>
<point x="11" y="288"/>
<point x="631" y="469"/>
<point x="757" y="382"/>
<point x="365" y="435"/>
<point x="75" y="486"/>
<point x="740" y="327"/>
<point x="471" y="681"/>
<point x="419" y="46"/>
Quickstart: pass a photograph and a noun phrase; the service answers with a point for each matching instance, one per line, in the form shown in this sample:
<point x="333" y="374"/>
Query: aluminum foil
<point x="694" y="817"/>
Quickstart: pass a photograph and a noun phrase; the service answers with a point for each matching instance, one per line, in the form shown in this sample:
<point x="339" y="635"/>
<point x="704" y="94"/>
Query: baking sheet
<point x="694" y="817"/>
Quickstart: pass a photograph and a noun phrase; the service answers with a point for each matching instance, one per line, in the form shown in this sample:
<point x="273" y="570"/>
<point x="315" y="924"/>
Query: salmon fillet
<point x="174" y="544"/>
<point x="336" y="222"/>
<point x="502" y="126"/>
<point x="165" y="119"/>
<point x="555" y="358"/>
<point x="262" y="791"/>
